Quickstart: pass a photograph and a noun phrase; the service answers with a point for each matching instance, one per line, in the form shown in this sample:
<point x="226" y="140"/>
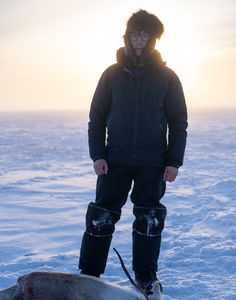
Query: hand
<point x="170" y="173"/>
<point x="100" y="167"/>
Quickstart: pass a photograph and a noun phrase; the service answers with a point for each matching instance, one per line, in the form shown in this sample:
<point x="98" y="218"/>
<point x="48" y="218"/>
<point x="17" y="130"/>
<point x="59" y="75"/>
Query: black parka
<point x="138" y="115"/>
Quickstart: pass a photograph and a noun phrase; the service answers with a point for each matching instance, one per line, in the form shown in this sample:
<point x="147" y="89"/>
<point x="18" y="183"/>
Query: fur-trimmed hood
<point x="142" y="20"/>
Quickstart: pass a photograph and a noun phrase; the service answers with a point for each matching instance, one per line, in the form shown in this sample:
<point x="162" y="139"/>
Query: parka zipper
<point x="138" y="77"/>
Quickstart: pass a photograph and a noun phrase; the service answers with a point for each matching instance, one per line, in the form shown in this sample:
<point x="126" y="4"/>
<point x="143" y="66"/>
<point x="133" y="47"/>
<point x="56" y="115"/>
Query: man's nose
<point x="139" y="42"/>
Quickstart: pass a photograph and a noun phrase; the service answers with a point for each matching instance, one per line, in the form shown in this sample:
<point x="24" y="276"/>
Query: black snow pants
<point x="111" y="194"/>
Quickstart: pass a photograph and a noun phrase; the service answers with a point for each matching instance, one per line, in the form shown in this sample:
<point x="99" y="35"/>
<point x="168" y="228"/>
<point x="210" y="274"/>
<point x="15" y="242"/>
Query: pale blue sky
<point x="52" y="52"/>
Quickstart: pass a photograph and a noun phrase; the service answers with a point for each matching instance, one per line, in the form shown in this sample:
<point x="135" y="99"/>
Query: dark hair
<point x="142" y="20"/>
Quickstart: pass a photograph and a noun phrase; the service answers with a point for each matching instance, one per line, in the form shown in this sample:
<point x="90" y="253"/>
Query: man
<point x="136" y="101"/>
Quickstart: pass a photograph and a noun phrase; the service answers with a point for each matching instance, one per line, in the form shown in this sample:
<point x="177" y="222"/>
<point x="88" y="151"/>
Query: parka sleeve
<point x="176" y="111"/>
<point x="97" y="118"/>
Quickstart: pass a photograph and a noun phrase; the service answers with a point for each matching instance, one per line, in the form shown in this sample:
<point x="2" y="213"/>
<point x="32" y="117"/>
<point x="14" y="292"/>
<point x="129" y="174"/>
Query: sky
<point x="52" y="52"/>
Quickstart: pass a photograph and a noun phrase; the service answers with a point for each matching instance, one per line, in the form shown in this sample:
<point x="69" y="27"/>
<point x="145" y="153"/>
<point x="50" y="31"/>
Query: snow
<point x="47" y="181"/>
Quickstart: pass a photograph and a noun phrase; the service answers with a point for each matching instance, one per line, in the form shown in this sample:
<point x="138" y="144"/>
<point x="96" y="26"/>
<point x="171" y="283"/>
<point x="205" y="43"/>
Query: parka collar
<point x="126" y="60"/>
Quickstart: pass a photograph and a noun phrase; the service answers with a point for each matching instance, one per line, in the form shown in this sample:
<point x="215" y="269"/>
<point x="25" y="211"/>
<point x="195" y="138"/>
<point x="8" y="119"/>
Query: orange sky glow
<point x="52" y="52"/>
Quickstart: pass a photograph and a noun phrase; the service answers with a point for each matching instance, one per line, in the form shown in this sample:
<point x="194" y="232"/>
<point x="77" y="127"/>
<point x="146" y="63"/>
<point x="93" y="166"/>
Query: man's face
<point x="139" y="40"/>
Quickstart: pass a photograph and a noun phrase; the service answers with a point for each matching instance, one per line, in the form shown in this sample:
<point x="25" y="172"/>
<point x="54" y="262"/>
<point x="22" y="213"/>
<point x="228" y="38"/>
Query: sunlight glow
<point x="52" y="55"/>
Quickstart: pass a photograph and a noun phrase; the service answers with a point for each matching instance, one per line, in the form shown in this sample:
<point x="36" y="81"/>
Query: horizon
<point x="230" y="110"/>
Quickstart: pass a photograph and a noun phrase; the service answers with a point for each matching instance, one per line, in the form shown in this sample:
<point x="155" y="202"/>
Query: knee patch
<point x="100" y="221"/>
<point x="149" y="221"/>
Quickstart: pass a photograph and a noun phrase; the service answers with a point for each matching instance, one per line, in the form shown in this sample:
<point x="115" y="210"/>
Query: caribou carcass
<point x="65" y="286"/>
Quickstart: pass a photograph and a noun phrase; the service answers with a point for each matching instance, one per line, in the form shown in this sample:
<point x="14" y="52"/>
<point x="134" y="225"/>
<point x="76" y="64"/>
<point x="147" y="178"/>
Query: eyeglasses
<point x="143" y="35"/>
